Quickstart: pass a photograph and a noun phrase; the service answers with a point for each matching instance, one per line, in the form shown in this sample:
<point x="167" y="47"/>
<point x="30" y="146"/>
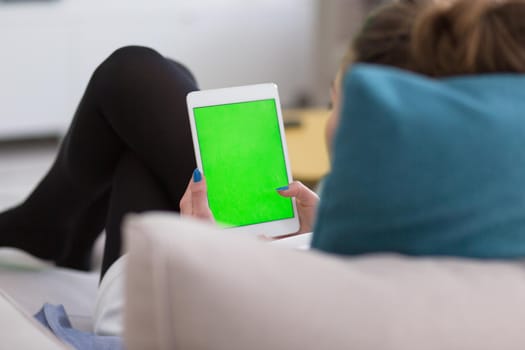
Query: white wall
<point x="48" y="51"/>
<point x="33" y="69"/>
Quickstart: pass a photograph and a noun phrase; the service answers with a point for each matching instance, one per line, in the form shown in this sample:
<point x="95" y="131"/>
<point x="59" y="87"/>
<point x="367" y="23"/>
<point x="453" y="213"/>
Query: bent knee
<point x="126" y="67"/>
<point x="133" y="55"/>
<point x="133" y="52"/>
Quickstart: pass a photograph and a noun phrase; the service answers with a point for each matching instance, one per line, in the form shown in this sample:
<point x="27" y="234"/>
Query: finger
<point x="301" y="193"/>
<point x="185" y="202"/>
<point x="199" y="199"/>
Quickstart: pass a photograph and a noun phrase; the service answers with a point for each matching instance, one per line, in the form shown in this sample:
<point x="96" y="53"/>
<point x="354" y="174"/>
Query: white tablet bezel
<point x="206" y="98"/>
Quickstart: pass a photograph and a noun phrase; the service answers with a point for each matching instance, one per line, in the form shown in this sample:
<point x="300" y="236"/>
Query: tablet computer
<point x="240" y="147"/>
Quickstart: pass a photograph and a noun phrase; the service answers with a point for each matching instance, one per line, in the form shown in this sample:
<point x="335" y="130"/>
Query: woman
<point x="129" y="147"/>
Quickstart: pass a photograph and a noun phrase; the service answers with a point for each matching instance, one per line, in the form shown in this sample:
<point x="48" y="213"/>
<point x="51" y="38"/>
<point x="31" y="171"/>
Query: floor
<point x="22" y="165"/>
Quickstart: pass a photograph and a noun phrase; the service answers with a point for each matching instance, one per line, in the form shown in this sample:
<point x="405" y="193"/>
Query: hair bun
<point x="469" y="37"/>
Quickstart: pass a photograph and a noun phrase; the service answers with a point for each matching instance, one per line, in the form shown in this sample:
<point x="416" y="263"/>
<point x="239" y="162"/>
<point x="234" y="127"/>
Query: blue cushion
<point x="427" y="167"/>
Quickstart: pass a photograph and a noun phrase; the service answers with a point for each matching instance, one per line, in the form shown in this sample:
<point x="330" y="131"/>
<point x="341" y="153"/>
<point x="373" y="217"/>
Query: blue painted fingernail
<point x="197" y="176"/>
<point x="284" y="188"/>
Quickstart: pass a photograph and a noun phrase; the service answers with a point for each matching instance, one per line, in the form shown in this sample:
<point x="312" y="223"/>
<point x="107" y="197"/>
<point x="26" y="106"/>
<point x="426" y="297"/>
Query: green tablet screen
<point x="243" y="161"/>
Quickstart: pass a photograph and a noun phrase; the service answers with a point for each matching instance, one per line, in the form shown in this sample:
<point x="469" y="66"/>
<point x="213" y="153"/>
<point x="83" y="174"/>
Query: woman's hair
<point x="385" y="36"/>
<point x="444" y="37"/>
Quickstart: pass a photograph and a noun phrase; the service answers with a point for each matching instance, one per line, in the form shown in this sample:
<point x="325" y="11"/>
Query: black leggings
<point x="128" y="149"/>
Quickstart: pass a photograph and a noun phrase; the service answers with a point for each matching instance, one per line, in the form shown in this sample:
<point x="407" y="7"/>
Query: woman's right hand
<point x="306" y="201"/>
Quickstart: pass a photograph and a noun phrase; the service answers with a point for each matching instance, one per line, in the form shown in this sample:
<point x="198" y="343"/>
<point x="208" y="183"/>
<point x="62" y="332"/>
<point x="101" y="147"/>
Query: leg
<point x="83" y="234"/>
<point x="135" y="101"/>
<point x="131" y="194"/>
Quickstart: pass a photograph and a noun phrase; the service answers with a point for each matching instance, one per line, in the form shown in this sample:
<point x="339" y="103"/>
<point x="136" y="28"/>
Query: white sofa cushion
<point x="190" y="286"/>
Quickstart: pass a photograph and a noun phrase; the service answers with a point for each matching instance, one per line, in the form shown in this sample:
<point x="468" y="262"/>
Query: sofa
<point x="191" y="286"/>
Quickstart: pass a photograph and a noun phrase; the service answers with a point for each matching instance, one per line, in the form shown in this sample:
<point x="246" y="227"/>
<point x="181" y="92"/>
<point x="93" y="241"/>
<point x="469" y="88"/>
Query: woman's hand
<point x="194" y="203"/>
<point x="306" y="200"/>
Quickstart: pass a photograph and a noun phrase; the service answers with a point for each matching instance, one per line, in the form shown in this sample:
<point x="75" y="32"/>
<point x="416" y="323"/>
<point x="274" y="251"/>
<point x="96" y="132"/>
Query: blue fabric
<point x="427" y="167"/>
<point x="54" y="318"/>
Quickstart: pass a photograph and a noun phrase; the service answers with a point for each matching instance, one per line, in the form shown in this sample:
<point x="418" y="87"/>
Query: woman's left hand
<point x="194" y="203"/>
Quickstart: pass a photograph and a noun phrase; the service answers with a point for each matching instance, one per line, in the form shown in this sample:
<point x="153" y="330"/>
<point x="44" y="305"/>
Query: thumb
<point x="302" y="194"/>
<point x="199" y="195"/>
